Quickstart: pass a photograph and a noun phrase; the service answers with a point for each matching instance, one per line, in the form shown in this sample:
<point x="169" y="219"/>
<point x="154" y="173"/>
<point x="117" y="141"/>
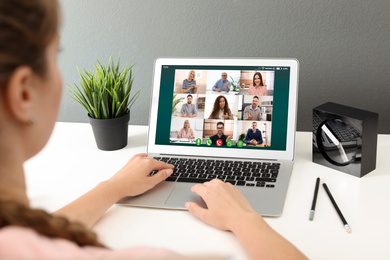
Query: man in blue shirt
<point x="222" y="84"/>
<point x="253" y="137"/>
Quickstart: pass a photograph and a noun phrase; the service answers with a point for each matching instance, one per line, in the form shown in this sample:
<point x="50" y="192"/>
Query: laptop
<point x="255" y="155"/>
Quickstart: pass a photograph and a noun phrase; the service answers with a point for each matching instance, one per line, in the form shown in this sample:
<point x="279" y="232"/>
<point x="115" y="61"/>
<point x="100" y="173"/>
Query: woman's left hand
<point x="133" y="179"/>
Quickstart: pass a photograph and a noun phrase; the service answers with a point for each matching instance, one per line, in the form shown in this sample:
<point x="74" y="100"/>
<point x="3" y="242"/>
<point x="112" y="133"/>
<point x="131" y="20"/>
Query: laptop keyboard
<point x="256" y="174"/>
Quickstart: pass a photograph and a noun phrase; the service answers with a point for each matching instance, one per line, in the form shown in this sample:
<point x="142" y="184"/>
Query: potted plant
<point x="106" y="95"/>
<point x="174" y="104"/>
<point x="235" y="84"/>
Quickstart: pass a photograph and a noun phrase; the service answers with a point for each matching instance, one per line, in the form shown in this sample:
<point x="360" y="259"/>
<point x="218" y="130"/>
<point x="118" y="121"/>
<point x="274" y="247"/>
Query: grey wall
<point x="343" y="46"/>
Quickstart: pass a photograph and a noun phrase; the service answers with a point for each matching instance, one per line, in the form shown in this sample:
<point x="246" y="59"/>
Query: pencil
<point x="313" y="204"/>
<point x="346" y="226"/>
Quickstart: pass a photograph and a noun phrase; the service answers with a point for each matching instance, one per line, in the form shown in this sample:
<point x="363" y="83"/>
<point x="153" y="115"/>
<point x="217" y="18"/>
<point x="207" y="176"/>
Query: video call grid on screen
<point x="270" y="115"/>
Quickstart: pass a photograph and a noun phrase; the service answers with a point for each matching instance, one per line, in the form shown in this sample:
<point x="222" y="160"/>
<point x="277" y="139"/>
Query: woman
<point x="189" y="84"/>
<point x="258" y="88"/>
<point x="186" y="131"/>
<point x="221" y="109"/>
<point x="30" y="92"/>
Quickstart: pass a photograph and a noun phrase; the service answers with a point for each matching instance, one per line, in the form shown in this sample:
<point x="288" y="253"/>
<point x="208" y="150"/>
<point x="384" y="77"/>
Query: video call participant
<point x="189" y="84"/>
<point x="221" y="109"/>
<point x="222" y="84"/>
<point x="220" y="134"/>
<point x="252" y="112"/>
<point x="189" y="109"/>
<point x="186" y="131"/>
<point x="253" y="135"/>
<point x="258" y="87"/>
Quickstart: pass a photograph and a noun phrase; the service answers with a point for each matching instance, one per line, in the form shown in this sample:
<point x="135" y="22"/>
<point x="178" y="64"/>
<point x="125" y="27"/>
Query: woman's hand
<point x="225" y="116"/>
<point x="133" y="179"/>
<point x="226" y="206"/>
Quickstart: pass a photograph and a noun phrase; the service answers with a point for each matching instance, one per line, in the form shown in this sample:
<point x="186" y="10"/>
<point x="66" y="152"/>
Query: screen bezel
<point x="287" y="154"/>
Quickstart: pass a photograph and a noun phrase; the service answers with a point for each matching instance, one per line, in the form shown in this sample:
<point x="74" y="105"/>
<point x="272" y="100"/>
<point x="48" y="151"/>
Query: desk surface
<point x="71" y="164"/>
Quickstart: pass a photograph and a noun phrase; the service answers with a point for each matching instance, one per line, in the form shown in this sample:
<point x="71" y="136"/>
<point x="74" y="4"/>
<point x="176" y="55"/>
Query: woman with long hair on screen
<point x="30" y="93"/>
<point x="258" y="88"/>
<point x="221" y="109"/>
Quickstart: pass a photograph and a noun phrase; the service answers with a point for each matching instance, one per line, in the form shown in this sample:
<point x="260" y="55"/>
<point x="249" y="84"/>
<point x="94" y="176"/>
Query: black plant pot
<point x="110" y="134"/>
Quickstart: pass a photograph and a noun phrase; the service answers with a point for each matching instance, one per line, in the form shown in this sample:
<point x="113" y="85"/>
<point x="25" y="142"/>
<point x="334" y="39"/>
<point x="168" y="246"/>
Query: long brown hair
<point x="215" y="113"/>
<point x="16" y="214"/>
<point x="27" y="27"/>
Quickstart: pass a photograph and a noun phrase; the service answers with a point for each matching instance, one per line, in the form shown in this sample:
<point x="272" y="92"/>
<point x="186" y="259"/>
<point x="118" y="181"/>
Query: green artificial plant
<point x="105" y="92"/>
<point x="175" y="102"/>
<point x="235" y="84"/>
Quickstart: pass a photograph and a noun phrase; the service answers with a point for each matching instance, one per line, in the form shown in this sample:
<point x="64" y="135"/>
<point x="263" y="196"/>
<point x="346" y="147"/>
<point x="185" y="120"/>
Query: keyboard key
<point x="240" y="183"/>
<point x="231" y="181"/>
<point x="266" y="179"/>
<point x="170" y="178"/>
<point x="192" y="180"/>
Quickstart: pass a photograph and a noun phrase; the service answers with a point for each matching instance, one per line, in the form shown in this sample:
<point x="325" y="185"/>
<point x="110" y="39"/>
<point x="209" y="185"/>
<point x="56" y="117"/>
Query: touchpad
<point x="181" y="194"/>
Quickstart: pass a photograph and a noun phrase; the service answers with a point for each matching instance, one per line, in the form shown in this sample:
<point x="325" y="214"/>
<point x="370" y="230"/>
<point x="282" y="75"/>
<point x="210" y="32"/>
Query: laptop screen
<point x="236" y="107"/>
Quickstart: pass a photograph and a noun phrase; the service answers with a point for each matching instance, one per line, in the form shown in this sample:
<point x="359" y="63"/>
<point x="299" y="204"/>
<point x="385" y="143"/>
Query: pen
<point x="313" y="205"/>
<point x="346" y="226"/>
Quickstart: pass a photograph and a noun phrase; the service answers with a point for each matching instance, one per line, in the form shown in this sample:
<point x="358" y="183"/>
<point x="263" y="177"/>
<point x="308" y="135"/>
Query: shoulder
<point x="24" y="243"/>
<point x="19" y="242"/>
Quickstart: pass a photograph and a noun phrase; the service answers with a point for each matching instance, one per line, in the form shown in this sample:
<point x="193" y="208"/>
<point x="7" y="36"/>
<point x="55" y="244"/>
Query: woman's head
<point x="220" y="103"/>
<point x="186" y="124"/>
<point x="30" y="82"/>
<point x="191" y="75"/>
<point x="258" y="79"/>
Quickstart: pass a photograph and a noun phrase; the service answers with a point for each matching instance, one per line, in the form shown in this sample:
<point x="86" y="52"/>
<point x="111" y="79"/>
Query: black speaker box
<point x="345" y="138"/>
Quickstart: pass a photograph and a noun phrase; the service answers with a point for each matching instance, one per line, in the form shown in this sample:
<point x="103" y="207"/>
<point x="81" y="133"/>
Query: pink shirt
<point x="260" y="91"/>
<point x="189" y="134"/>
<point x="24" y="243"/>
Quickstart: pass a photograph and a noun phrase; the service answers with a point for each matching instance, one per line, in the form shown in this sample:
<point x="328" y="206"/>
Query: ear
<point x="19" y="94"/>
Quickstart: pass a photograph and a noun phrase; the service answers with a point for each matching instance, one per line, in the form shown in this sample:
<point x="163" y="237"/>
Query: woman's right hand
<point x="227" y="209"/>
<point x="226" y="205"/>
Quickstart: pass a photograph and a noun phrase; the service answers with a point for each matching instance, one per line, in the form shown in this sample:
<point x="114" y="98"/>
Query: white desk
<point x="71" y="164"/>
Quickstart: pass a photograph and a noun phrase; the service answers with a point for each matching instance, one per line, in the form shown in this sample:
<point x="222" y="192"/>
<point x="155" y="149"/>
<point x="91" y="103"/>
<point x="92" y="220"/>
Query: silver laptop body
<point x="281" y="77"/>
